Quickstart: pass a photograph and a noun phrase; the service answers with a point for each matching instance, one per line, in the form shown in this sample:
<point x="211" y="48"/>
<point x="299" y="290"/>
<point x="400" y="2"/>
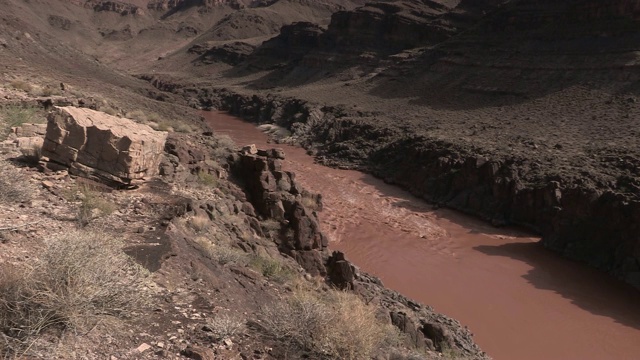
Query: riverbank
<point x="584" y="217"/>
<point x="512" y="292"/>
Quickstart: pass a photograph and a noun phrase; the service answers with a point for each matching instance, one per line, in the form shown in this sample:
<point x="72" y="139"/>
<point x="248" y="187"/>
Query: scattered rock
<point x="143" y="347"/>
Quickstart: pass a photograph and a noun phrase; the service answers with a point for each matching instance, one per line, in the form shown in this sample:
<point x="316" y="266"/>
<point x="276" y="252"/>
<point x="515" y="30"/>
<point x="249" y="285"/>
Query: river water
<point x="520" y="300"/>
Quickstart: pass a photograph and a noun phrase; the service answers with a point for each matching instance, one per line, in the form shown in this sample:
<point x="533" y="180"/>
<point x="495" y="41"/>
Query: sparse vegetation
<point x="162" y="125"/>
<point x="334" y="324"/>
<point x="137" y="115"/>
<point x="273" y="269"/>
<point x="199" y="223"/>
<point x="109" y="110"/>
<point x="224" y="146"/>
<point x="22" y="85"/>
<point x="14" y="115"/>
<point x="271" y="226"/>
<point x="78" y="279"/>
<point x="183" y="128"/>
<point x="92" y="203"/>
<point x="50" y="91"/>
<point x="225" y="325"/>
<point x="223" y="253"/>
<point x="207" y="179"/>
<point x="13" y="185"/>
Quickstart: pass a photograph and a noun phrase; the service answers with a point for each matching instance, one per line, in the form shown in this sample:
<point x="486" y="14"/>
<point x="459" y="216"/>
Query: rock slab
<point x="93" y="144"/>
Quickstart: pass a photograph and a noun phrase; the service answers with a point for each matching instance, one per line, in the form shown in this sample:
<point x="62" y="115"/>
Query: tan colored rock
<point x="249" y="149"/>
<point x="97" y="145"/>
<point x="29" y="143"/>
<point x="30" y="130"/>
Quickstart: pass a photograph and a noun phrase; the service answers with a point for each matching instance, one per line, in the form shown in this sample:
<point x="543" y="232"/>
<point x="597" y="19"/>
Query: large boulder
<point x="93" y="144"/>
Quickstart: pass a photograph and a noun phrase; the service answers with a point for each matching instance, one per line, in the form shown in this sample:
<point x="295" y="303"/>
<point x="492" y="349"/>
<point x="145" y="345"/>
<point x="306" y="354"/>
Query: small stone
<point x="47" y="184"/>
<point x="143" y="347"/>
<point x="160" y="344"/>
<point x="250" y="149"/>
<point x="228" y="342"/>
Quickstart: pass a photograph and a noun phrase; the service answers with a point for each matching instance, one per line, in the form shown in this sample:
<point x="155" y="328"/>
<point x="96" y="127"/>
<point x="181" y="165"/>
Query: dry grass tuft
<point x="92" y="204"/>
<point x="224" y="146"/>
<point x="14" y="186"/>
<point x="137" y="115"/>
<point x="332" y="324"/>
<point x="50" y="91"/>
<point x="22" y="85"/>
<point x="272" y="269"/>
<point x="200" y="223"/>
<point x="13" y="115"/>
<point x="79" y="279"/>
<point x="224" y="326"/>
<point x="207" y="179"/>
<point x="183" y="128"/>
<point x="223" y="254"/>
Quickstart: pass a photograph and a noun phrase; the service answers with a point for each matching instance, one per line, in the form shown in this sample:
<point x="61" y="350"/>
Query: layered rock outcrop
<point x="276" y="195"/>
<point x="231" y="53"/>
<point x="113" y="150"/>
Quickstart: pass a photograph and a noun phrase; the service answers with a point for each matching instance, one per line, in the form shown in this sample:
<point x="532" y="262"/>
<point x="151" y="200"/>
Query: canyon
<point x="521" y="114"/>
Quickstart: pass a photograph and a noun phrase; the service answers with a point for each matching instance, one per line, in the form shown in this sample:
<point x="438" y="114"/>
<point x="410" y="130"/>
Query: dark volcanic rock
<point x="293" y="42"/>
<point x="275" y="195"/>
<point x="388" y="27"/>
<point x="59" y="22"/>
<point x="231" y="53"/>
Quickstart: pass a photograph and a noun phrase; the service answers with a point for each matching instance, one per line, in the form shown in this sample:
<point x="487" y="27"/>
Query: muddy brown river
<point x="520" y="300"/>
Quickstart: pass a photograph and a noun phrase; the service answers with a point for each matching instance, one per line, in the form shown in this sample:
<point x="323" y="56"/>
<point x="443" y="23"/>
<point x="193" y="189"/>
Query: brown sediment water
<point x="520" y="300"/>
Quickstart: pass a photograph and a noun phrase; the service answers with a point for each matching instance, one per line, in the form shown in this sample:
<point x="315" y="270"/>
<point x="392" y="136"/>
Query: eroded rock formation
<point x="276" y="195"/>
<point x="97" y="145"/>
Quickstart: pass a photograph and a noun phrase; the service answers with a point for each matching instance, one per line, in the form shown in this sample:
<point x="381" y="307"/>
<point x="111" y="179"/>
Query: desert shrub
<point x="223" y="254"/>
<point x="331" y="324"/>
<point x="224" y="146"/>
<point x="32" y="156"/>
<point x="22" y="85"/>
<point x="109" y="110"/>
<point x="14" y="187"/>
<point x="229" y="255"/>
<point x="207" y="179"/>
<point x="225" y="325"/>
<point x="50" y="91"/>
<point x="271" y="226"/>
<point x="183" y="127"/>
<point x="14" y="115"/>
<point x="199" y="223"/>
<point x="272" y="269"/>
<point x="92" y="203"/>
<point x="79" y="279"/>
<point x="154" y="117"/>
<point x="137" y="115"/>
<point x="162" y="125"/>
